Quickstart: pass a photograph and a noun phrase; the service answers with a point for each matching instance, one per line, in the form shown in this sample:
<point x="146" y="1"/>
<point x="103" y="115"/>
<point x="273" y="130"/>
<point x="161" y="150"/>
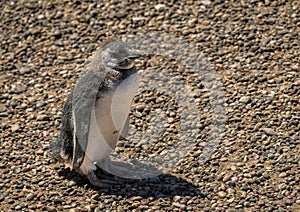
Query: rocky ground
<point x="252" y="46"/>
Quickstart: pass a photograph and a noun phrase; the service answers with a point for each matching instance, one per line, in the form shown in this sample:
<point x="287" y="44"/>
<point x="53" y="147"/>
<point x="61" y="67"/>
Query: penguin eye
<point x="125" y="62"/>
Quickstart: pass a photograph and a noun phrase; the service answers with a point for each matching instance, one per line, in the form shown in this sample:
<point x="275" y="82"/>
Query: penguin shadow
<point x="161" y="186"/>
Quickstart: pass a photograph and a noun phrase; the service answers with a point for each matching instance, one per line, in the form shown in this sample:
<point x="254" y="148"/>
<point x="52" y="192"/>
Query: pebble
<point x="30" y="196"/>
<point x="140" y="106"/>
<point x="176" y="198"/>
<point x="222" y="194"/>
<point x="297" y="108"/>
<point x="40" y="104"/>
<point x="245" y="99"/>
<point x="15" y="127"/>
<point x="206" y="2"/>
<point x="178" y="205"/>
<point x="24" y="70"/>
<point x="19" y="88"/>
<point x="159" y="7"/>
<point x="71" y="183"/>
<point x="42" y="117"/>
<point x="227" y="177"/>
<point x="283" y="174"/>
<point x="137" y="114"/>
<point x="50" y="209"/>
<point x="40" y="152"/>
<point x="234" y="179"/>
<point x="269" y="131"/>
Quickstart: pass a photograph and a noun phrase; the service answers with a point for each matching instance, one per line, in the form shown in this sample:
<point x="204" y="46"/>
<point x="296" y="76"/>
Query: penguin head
<point x="118" y="55"/>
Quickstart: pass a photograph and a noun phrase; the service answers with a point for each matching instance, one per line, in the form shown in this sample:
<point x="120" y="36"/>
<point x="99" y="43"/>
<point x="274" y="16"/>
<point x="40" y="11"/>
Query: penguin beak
<point x="132" y="57"/>
<point x="133" y="54"/>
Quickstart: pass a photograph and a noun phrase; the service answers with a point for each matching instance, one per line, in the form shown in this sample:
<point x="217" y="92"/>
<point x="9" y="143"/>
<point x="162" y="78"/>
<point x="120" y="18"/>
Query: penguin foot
<point x="94" y="180"/>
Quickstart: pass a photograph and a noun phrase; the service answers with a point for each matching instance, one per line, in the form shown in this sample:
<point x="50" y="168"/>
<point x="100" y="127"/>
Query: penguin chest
<point x="108" y="118"/>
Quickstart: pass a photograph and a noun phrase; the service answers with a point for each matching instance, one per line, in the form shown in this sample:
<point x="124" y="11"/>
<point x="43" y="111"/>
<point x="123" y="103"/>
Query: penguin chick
<point x="96" y="112"/>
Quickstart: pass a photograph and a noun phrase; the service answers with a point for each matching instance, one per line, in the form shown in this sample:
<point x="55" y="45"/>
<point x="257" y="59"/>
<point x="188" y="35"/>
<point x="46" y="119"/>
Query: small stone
<point x="176" y="198"/>
<point x="57" y="201"/>
<point x="35" y="180"/>
<point x="97" y="209"/>
<point x="283" y="174"/>
<point x="91" y="47"/>
<point x="265" y="142"/>
<point x="245" y="99"/>
<point x="230" y="191"/>
<point x="260" y="203"/>
<point x="17" y="170"/>
<point x="41" y="16"/>
<point x="91" y="206"/>
<point x="295" y="67"/>
<point x="143" y="142"/>
<point x="206" y="2"/>
<point x="143" y="207"/>
<point x="46" y="146"/>
<point x="32" y="207"/>
<point x="39" y="152"/>
<point x="222" y="194"/>
<point x="63" y="72"/>
<point x="57" y="33"/>
<point x="231" y="200"/>
<point x="24" y="70"/>
<point x="3" y="114"/>
<point x="40" y="104"/>
<point x="271" y="155"/>
<point x="136" y="198"/>
<point x="170" y="120"/>
<point x="15" y="127"/>
<point x="178" y="205"/>
<point x="11" y="201"/>
<point x="140" y="107"/>
<point x="297" y="108"/>
<point x="42" y="117"/>
<point x="71" y="183"/>
<point x="172" y="114"/>
<point x="67" y="206"/>
<point x="254" y="48"/>
<point x="18" y="207"/>
<point x="244" y="188"/>
<point x="159" y="7"/>
<point x="233" y="168"/>
<point x="30" y="196"/>
<point x="268" y="131"/>
<point x="297" y="82"/>
<point x="234" y="179"/>
<point x="31" y="99"/>
<point x="95" y="197"/>
<point x="227" y="177"/>
<point x="14" y="103"/>
<point x="159" y="100"/>
<point x="247" y="204"/>
<point x="19" y="88"/>
<point x="51" y="209"/>
<point x="23" y="106"/>
<point x="137" y="114"/>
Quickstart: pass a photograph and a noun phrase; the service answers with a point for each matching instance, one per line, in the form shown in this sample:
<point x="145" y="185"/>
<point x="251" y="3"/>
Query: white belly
<point x="108" y="118"/>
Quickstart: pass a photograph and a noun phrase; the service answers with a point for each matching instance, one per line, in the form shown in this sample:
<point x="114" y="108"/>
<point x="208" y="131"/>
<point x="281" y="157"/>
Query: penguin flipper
<point x="84" y="96"/>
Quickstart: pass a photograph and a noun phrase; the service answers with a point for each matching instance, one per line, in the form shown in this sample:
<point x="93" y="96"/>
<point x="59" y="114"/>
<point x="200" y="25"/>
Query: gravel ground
<point x="252" y="45"/>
